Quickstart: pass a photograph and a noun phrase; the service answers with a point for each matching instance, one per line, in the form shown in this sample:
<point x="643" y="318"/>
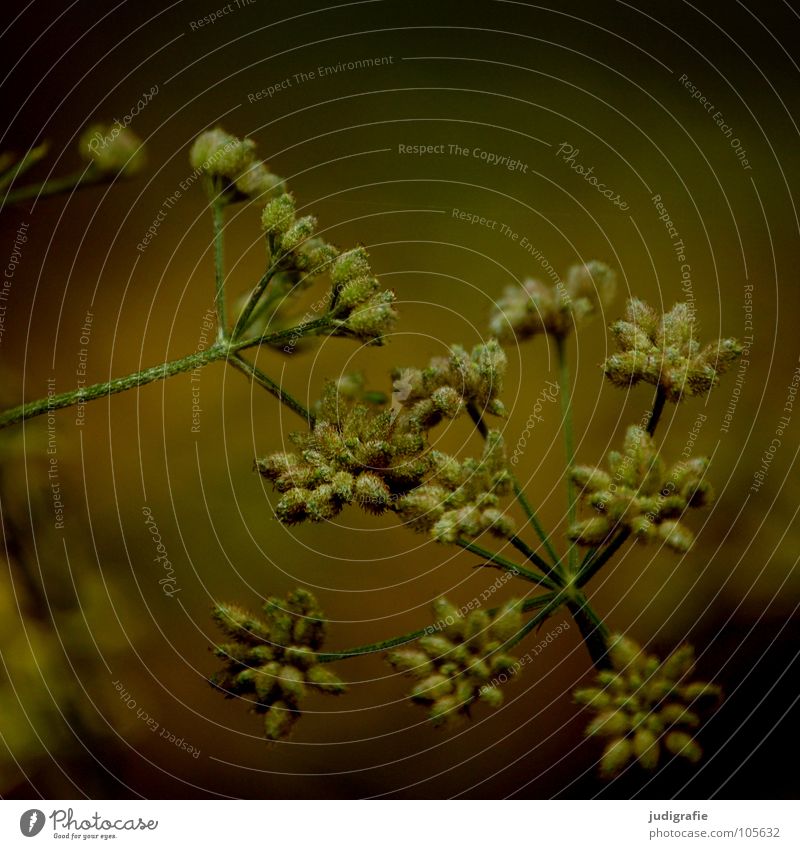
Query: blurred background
<point x="91" y="645"/>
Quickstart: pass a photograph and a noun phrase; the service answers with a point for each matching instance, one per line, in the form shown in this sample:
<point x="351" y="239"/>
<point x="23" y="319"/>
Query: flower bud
<point x="616" y="756"/>
<point x="112" y="150"/>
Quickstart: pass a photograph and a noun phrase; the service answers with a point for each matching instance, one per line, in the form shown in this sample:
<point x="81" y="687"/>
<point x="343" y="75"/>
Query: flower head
<point x="457" y="664"/>
<point x="449" y="384"/>
<point x="462" y="499"/>
<point x="358" y="306"/>
<point x="352" y="454"/>
<point x="645" y="705"/>
<point x="295" y="249"/>
<point x="640" y="494"/>
<point x="381" y="460"/>
<point x="537" y="307"/>
<point x="232" y="161"/>
<point x="664" y="351"/>
<point x="273" y="658"/>
<point x="112" y="149"/>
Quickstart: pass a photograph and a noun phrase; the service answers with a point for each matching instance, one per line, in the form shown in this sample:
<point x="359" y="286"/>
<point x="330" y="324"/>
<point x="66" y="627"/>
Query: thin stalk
<point x="28" y="161"/>
<point x="592" y="630"/>
<point x="217" y="207"/>
<point x="56" y="186"/>
<point x="569" y="441"/>
<point x="371" y="648"/>
<point x="255" y="295"/>
<point x="239" y="362"/>
<point x="504" y="563"/>
<point x="525" y="549"/>
<point x="483" y="430"/>
<point x="111" y="387"/>
<point x="160" y="372"/>
<point x="555" y="602"/>
<point x="533" y="519"/>
<point x="658" y="409"/>
<point x="597" y="563"/>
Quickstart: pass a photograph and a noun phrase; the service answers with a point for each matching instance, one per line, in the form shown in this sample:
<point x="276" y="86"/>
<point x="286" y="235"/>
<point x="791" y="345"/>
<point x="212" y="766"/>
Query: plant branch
<point x="503" y="563"/>
<point x="217" y="211"/>
<point x="658" y="409"/>
<point x="240" y="363"/>
<point x="244" y="317"/>
<point x="569" y="441"/>
<point x="533" y="519"/>
<point x="596" y="563"/>
<point x="483" y="430"/>
<point x="30" y="158"/>
<point x="525" y="549"/>
<point x="160" y="372"/>
<point x="111" y="387"/>
<point x="594" y="633"/>
<point x="371" y="648"/>
<point x="556" y="600"/>
<point x="56" y="186"/>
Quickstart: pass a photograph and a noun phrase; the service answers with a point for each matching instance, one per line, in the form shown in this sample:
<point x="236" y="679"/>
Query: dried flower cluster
<point x="273" y="658"/>
<point x="358" y="306"/>
<point x="450" y="383"/>
<point x="232" y="164"/>
<point x="640" y="494"/>
<point x="456" y="665"/>
<point x="664" y="351"/>
<point x="294" y="249"/>
<point x="645" y="706"/>
<point x="381" y="460"/>
<point x="537" y="307"/>
<point x="462" y="498"/>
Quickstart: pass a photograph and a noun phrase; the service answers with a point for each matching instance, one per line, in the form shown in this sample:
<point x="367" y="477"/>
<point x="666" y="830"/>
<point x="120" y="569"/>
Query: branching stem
<point x="372" y="648"/>
<point x="504" y="563"/>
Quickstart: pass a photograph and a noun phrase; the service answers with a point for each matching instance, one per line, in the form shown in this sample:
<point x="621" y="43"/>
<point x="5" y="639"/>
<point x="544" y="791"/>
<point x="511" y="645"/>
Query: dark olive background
<point x="511" y="78"/>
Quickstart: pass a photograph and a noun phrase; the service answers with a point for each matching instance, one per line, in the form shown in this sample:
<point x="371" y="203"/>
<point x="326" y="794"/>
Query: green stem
<point x="533" y="519"/>
<point x="238" y="362"/>
<point x="56" y="186"/>
<point x="658" y="409"/>
<point x="592" y="630"/>
<point x="371" y="648"/>
<point x="503" y="563"/>
<point x="140" y="378"/>
<point x="569" y="442"/>
<point x="596" y="563"/>
<point x="483" y="430"/>
<point x="557" y="599"/>
<point x="31" y="157"/>
<point x="217" y="210"/>
<point x="111" y="387"/>
<point x="244" y="318"/>
<point x="525" y="549"/>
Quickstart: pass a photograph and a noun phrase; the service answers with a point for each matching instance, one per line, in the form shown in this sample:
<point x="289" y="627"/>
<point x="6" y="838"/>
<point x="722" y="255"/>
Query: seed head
<point x="645" y="706"/>
<point x="666" y="352"/>
<point x="272" y="658"/>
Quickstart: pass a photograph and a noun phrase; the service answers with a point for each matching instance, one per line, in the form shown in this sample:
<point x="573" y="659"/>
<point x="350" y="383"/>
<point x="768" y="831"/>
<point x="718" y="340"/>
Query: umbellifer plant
<point x="373" y="451"/>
